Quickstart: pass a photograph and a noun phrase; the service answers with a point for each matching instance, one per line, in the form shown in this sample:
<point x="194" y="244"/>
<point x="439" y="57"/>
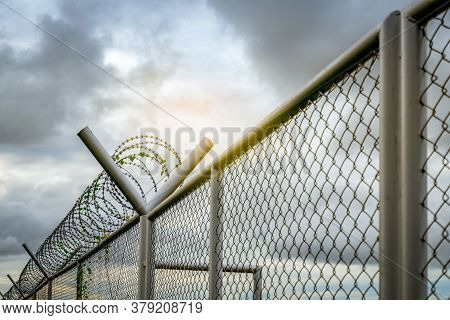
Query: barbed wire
<point x="102" y="208"/>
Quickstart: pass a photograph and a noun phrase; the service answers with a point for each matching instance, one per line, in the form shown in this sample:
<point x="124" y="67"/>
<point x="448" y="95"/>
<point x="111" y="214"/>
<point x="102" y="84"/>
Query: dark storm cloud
<point x="47" y="84"/>
<point x="290" y="41"/>
<point x="20" y="224"/>
<point x="44" y="89"/>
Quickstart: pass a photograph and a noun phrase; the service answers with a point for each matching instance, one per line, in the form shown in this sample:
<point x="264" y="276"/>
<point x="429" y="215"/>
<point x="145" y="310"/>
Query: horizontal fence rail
<point x="340" y="193"/>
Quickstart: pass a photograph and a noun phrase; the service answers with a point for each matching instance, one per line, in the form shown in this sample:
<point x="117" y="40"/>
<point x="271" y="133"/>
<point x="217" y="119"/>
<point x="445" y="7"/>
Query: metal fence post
<point x="79" y="281"/>
<point x="402" y="217"/>
<point x="16" y="286"/>
<point x="143" y="249"/>
<point x="390" y="157"/>
<point x="413" y="154"/>
<point x="150" y="281"/>
<point x="49" y="290"/>
<point x="215" y="260"/>
<point x="257" y="284"/>
<point x="41" y="268"/>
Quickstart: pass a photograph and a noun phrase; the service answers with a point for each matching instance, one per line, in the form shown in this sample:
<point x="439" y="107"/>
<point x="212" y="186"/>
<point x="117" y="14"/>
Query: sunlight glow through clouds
<point x="123" y="61"/>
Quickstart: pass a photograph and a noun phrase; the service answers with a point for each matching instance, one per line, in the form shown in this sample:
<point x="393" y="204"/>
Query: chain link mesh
<point x="302" y="204"/>
<point x="42" y="294"/>
<point x="64" y="287"/>
<point x="112" y="272"/>
<point x="181" y="247"/>
<point x="435" y="100"/>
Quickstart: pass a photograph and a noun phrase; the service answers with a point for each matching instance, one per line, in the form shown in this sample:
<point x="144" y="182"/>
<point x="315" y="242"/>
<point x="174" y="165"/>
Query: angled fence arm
<point x="177" y="177"/>
<point x="138" y="203"/>
<point x="113" y="170"/>
<point x="41" y="268"/>
<point x="33" y="257"/>
<point x="16" y="286"/>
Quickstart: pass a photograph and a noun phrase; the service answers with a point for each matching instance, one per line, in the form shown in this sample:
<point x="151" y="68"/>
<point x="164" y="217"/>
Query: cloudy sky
<point x="125" y="67"/>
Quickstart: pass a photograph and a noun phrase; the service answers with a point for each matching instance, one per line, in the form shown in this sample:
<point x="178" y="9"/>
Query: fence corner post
<point x="402" y="183"/>
<point x="390" y="157"/>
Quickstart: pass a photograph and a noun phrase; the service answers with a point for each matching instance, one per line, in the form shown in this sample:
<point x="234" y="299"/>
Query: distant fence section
<point x="340" y="193"/>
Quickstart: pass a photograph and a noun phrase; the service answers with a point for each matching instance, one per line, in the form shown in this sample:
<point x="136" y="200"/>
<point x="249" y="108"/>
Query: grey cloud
<point x="47" y="87"/>
<point x="48" y="91"/>
<point x="19" y="224"/>
<point x="290" y="41"/>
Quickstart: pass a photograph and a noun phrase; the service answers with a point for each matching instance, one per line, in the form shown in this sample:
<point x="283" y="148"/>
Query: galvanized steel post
<point x="402" y="216"/>
<point x="257" y="284"/>
<point x="135" y="199"/>
<point x="150" y="271"/>
<point x="50" y="290"/>
<point x="143" y="249"/>
<point x="215" y="261"/>
<point x="79" y="282"/>
<point x="390" y="157"/>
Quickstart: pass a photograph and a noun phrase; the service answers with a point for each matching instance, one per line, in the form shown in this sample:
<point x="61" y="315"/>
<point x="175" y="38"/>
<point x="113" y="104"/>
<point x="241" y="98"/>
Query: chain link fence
<point x="42" y="294"/>
<point x="435" y="133"/>
<point x="112" y="272"/>
<point x="302" y="205"/>
<point x="64" y="287"/>
<point x="181" y="247"/>
<point x="298" y="211"/>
